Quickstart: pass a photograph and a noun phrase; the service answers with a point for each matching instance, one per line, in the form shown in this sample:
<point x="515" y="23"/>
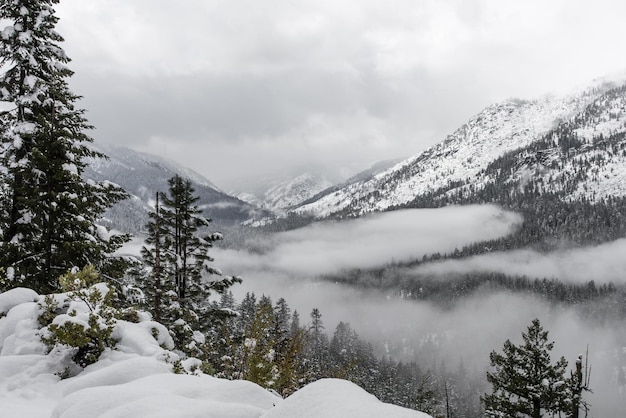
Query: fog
<point x="603" y="264"/>
<point x="291" y="264"/>
<point x="372" y="241"/>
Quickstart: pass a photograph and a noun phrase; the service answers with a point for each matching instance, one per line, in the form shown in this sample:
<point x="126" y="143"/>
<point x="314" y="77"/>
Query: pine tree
<point x="317" y="348"/>
<point x="183" y="220"/>
<point x="260" y="346"/>
<point x="290" y="340"/>
<point x="176" y="285"/>
<point x="48" y="212"/>
<point x="157" y="287"/>
<point x="524" y="380"/>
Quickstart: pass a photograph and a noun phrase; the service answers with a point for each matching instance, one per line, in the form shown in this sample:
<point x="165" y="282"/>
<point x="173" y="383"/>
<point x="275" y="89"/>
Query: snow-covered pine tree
<point x="49" y="214"/>
<point x="155" y="283"/>
<point x="260" y="346"/>
<point x="290" y="340"/>
<point x="524" y="380"/>
<point x="317" y="348"/>
<point x="184" y="219"/>
<point x="177" y="284"/>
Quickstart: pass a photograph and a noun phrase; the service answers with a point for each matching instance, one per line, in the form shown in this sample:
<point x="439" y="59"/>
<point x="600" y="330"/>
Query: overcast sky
<point x="244" y="89"/>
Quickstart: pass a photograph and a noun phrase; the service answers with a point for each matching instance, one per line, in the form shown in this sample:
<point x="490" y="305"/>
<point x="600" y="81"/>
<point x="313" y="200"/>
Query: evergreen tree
<point x="317" y="348"/>
<point x="48" y="213"/>
<point x="158" y="289"/>
<point x="524" y="380"/>
<point x="260" y="346"/>
<point x="247" y="313"/>
<point x="176" y="285"/>
<point x="182" y="218"/>
<point x="353" y="359"/>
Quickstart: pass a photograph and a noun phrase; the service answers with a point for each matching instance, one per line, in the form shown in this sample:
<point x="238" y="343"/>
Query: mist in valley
<point x="292" y="265"/>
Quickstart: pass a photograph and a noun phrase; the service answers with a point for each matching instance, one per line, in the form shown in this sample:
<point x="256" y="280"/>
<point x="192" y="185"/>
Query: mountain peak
<point x="464" y="155"/>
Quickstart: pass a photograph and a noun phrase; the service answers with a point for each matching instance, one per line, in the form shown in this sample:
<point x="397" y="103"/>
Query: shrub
<point x="85" y="322"/>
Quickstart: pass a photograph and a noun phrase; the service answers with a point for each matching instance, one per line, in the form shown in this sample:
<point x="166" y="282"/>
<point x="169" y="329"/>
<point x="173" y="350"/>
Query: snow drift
<point x="136" y="379"/>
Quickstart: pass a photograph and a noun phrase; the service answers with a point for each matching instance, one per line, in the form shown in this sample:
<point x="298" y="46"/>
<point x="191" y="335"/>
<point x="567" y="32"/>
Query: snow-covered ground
<point x="136" y="379"/>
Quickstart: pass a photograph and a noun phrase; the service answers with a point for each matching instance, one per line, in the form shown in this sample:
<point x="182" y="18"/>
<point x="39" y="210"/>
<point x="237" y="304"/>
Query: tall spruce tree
<point x="158" y="289"/>
<point x="178" y="281"/>
<point x="48" y="214"/>
<point x="317" y="348"/>
<point x="191" y="268"/>
<point x="525" y="381"/>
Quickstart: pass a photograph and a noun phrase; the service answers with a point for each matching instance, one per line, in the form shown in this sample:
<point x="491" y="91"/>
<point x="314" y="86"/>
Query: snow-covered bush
<point x="81" y="320"/>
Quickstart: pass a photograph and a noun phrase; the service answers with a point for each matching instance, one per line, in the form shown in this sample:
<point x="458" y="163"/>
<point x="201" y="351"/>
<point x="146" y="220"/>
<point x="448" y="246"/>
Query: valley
<point x="418" y="282"/>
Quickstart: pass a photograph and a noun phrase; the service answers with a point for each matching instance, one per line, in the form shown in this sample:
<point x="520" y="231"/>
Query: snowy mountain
<point x="284" y="194"/>
<point x="585" y="129"/>
<point x="360" y="177"/>
<point x="142" y="175"/>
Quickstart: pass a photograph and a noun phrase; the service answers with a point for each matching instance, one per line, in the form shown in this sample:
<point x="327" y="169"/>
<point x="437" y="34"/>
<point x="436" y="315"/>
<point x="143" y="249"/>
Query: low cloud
<point x="434" y="336"/>
<point x="375" y="240"/>
<point x="291" y="264"/>
<point x="603" y="263"/>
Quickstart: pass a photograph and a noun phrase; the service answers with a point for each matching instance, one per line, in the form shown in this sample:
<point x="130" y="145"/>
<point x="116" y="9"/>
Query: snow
<point x="136" y="378"/>
<point x="103" y="233"/>
<point x="15" y="297"/>
<point x="336" y="398"/>
<point x="70" y="168"/>
<point x="168" y="395"/>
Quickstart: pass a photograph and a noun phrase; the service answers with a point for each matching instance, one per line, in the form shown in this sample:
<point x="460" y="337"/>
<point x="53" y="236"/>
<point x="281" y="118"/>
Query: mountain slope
<point x="142" y="175"/>
<point x="462" y="157"/>
<point x="282" y="195"/>
<point x="582" y="159"/>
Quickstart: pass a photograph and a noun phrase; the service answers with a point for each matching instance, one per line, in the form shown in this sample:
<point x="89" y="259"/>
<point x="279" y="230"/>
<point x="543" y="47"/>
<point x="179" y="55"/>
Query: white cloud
<point x="324" y="248"/>
<point x="603" y="264"/>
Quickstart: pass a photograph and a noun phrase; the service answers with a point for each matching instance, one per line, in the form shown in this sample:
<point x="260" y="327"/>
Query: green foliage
<point x="525" y="381"/>
<point x="86" y="320"/>
<point x="177" y="367"/>
<point x="48" y="213"/>
<point x="260" y="347"/>
<point x="89" y="340"/>
<point x="48" y="310"/>
<point x="178" y="280"/>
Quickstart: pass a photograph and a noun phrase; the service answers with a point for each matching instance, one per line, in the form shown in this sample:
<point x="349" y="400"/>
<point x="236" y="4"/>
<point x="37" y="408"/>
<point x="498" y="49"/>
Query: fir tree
<point x="260" y="346"/>
<point x="48" y="212"/>
<point x="183" y="220"/>
<point x="317" y="348"/>
<point x="524" y="380"/>
<point x="157" y="287"/>
<point x="176" y="285"/>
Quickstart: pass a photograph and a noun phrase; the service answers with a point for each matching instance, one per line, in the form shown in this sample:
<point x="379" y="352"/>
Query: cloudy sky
<point x="243" y="90"/>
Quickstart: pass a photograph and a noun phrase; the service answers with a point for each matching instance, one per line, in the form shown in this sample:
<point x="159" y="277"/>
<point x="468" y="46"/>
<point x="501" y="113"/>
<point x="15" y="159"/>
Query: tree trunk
<point x="536" y="408"/>
<point x="157" y="262"/>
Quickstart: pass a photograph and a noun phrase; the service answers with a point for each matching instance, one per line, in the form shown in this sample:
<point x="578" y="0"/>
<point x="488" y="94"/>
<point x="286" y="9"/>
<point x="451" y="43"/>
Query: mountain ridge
<point x="142" y="175"/>
<point x="463" y="155"/>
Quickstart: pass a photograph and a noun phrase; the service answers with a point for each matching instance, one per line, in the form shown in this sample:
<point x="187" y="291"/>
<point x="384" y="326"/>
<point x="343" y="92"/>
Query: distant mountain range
<point x="571" y="145"/>
<point x="283" y="195"/>
<point x="142" y="175"/>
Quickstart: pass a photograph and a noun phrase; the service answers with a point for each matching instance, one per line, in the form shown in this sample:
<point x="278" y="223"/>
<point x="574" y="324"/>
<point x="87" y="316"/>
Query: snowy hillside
<point x="284" y="194"/>
<point x="463" y="156"/>
<point x="142" y="175"/>
<point x="136" y="378"/>
<point x="583" y="158"/>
